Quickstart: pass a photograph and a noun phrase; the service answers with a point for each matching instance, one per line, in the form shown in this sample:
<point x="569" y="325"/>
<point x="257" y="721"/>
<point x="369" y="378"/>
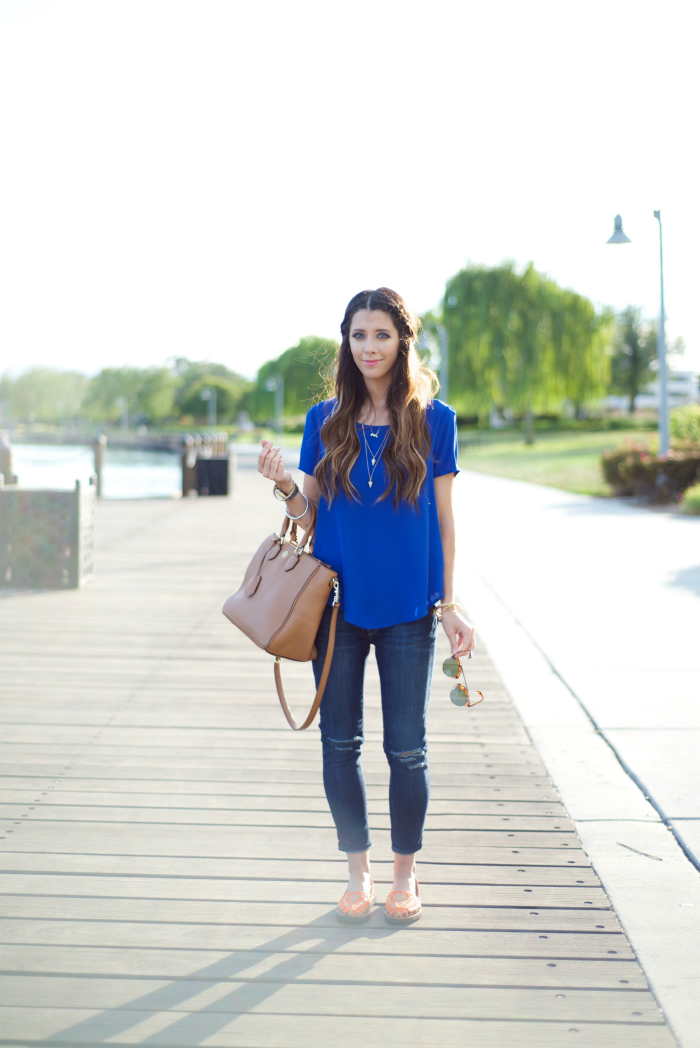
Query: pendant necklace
<point x="370" y="430"/>
<point x="375" y="455"/>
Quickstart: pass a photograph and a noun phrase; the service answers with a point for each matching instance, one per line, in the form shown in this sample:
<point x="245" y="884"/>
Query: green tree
<point x="519" y="341"/>
<point x="304" y="369"/>
<point x="232" y="389"/>
<point x="582" y="341"/>
<point x="633" y="353"/>
<point x="229" y="398"/>
<point x="149" y="394"/>
<point x="42" y="394"/>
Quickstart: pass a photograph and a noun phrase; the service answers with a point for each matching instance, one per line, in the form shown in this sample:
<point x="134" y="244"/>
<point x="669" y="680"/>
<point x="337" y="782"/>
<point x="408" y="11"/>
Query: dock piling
<point x="6" y="458"/>
<point x="98" y="446"/>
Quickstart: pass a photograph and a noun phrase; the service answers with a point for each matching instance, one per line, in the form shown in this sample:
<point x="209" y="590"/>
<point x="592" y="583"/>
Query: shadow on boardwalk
<point x="170" y="865"/>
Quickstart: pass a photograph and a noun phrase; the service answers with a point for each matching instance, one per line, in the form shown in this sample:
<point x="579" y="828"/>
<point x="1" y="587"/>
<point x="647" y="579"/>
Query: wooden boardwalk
<point x="169" y="863"/>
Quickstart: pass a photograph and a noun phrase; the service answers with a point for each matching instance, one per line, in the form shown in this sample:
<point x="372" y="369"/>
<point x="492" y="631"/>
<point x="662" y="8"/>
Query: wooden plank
<point x="241" y="890"/>
<point x="294" y="850"/>
<point x="330" y="937"/>
<point x="87" y="1026"/>
<point x="90" y="740"/>
<point x="55" y="772"/>
<point x="224" y="737"/>
<point x="293" y="991"/>
<point x="308" y="914"/>
<point x="329" y="967"/>
<point x="190" y="787"/>
<point x="499" y="728"/>
<point x="274" y="743"/>
<point x="297" y="770"/>
<point x="270" y="728"/>
<point x="232" y="667"/>
<point x="172" y="754"/>
<point x="157" y="838"/>
<point x="271" y="802"/>
<point x="259" y="715"/>
<point x="334" y="870"/>
<point x="501" y="836"/>
<point x="289" y="817"/>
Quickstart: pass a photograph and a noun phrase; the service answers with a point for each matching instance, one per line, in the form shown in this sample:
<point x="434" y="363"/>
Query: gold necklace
<point x="375" y="455"/>
<point x="375" y="435"/>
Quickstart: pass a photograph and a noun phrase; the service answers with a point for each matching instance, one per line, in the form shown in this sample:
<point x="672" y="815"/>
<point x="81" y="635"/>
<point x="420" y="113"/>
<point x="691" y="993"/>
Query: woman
<point x="379" y="460"/>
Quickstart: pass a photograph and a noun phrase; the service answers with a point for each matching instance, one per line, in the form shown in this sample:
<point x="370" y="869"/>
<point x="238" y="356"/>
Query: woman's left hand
<point x="460" y="633"/>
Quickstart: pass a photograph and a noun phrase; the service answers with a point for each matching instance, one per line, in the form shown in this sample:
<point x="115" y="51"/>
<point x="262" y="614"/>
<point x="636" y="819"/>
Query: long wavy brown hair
<point x="413" y="385"/>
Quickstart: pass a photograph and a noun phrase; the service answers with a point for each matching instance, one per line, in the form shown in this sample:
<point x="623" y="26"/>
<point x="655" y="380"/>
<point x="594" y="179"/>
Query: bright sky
<point x="216" y="178"/>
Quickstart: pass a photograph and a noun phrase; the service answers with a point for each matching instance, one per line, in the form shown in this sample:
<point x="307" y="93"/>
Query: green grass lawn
<point x="560" y="460"/>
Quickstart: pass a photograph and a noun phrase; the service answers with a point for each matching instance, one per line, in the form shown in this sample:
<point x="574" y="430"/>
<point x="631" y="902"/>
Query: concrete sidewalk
<point x="591" y="611"/>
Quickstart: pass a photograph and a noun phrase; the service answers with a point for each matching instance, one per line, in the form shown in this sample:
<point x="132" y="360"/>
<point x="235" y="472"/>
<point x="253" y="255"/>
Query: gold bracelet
<point x="439" y="608"/>
<point x="282" y="497"/>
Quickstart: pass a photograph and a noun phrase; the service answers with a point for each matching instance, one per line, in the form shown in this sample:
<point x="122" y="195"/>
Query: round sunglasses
<point x="452" y="667"/>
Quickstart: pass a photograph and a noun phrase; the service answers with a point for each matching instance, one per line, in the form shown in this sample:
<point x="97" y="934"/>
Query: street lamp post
<point x="123" y="405"/>
<point x="209" y="395"/>
<point x="444" y="361"/>
<point x="661" y="354"/>
<point x="619" y="237"/>
<point x="275" y="385"/>
<point x="424" y="343"/>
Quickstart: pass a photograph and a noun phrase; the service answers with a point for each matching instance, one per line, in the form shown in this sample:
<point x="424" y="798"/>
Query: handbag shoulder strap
<point x="322" y="683"/>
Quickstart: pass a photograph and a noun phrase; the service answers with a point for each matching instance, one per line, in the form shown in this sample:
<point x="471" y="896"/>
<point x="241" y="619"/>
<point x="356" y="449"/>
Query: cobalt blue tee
<point x="389" y="560"/>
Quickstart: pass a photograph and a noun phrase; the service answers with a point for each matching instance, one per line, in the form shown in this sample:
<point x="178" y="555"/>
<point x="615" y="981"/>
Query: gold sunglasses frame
<point x="463" y="688"/>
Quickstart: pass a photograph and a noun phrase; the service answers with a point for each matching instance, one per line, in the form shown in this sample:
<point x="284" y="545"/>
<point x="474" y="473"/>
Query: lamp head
<point x="618" y="236"/>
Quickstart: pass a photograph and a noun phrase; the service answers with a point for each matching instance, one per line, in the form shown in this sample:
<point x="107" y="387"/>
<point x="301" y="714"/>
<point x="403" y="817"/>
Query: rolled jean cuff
<point x="354" y="851"/>
<point x="406" y="851"/>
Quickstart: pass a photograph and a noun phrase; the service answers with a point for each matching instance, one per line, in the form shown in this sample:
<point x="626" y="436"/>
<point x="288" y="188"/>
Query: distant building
<point x="682" y="388"/>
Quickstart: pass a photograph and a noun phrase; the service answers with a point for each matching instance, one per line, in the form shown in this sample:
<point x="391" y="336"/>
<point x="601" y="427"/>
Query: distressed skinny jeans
<point x="405" y="655"/>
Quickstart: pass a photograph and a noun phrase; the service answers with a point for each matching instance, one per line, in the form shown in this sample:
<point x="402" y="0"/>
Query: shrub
<point x="634" y="470"/>
<point x="684" y="424"/>
<point x="616" y="465"/>
<point x="691" y="499"/>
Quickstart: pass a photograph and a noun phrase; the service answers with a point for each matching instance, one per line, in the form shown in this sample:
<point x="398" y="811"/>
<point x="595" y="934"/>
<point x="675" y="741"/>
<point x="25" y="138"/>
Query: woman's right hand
<point x="271" y="465"/>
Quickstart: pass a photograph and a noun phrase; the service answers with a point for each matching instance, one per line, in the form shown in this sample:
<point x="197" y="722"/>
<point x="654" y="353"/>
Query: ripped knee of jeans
<point x="413" y="760"/>
<point x="343" y="745"/>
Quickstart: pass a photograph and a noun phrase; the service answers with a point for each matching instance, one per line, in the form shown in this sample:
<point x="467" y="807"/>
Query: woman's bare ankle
<point x="359" y="875"/>
<point x="404" y="873"/>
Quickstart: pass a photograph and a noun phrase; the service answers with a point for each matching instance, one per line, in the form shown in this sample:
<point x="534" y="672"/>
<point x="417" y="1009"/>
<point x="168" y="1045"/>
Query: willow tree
<point x="519" y="341"/>
<point x="582" y="340"/>
<point x="305" y="371"/>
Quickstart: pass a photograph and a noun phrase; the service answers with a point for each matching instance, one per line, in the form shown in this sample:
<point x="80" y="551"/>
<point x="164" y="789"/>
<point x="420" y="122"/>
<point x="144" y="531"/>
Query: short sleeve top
<point x="388" y="558"/>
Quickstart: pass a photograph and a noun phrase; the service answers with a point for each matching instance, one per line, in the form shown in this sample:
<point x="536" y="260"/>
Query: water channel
<point x="127" y="474"/>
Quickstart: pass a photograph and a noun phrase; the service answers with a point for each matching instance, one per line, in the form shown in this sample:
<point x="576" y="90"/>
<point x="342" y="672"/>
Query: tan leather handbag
<point x="280" y="605"/>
